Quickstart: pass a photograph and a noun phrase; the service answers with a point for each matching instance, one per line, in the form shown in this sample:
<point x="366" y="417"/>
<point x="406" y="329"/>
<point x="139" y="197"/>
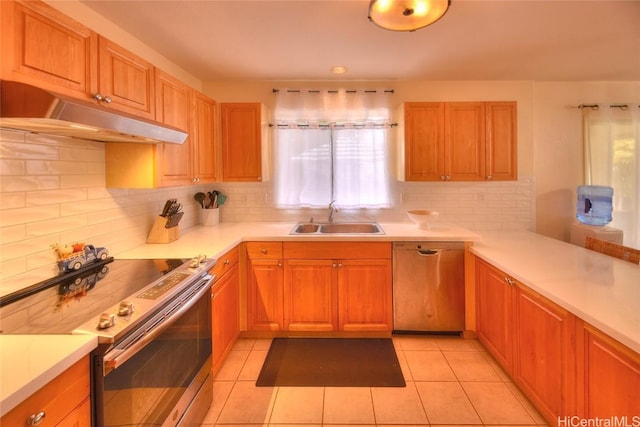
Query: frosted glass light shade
<point x="406" y="15"/>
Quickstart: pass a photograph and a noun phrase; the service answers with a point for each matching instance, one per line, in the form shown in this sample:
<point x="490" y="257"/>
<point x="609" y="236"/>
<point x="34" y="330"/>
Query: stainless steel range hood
<point x="29" y="108"/>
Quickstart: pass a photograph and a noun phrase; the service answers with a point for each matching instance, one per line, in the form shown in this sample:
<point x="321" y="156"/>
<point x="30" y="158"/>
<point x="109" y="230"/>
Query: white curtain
<point x="612" y="158"/>
<point x="332" y="145"/>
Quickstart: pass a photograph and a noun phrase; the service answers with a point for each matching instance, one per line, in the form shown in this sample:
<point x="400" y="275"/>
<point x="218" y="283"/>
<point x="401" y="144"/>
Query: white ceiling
<point x="302" y="39"/>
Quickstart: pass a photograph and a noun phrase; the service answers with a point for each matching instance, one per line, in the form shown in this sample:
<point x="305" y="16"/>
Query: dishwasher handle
<point x="428" y="252"/>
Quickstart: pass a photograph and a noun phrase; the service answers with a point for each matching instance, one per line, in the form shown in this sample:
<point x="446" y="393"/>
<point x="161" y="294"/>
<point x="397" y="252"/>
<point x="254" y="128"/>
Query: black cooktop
<point x="60" y="304"/>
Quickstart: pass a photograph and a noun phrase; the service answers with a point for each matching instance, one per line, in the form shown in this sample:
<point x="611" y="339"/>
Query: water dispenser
<point x="594" y="204"/>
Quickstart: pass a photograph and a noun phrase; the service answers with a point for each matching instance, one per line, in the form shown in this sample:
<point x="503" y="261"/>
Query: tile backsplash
<point x="52" y="191"/>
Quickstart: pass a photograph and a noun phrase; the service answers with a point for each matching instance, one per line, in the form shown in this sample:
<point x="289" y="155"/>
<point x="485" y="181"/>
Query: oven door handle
<point x="116" y="357"/>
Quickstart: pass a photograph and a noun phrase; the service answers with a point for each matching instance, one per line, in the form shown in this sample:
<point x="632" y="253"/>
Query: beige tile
<point x="429" y="366"/>
<point x="496" y="404"/>
<point x="248" y="404"/>
<point x="230" y="369"/>
<point x="528" y="406"/>
<point x="446" y="403"/>
<point x="398" y="405"/>
<point x="496" y="366"/>
<point x="262" y="344"/>
<point x="404" y="366"/>
<point x="348" y="405"/>
<point x="301" y="405"/>
<point x="456" y="344"/>
<point x="414" y="342"/>
<point x="253" y="365"/>
<point x="470" y="366"/>
<point x="221" y="391"/>
<point x="244" y="344"/>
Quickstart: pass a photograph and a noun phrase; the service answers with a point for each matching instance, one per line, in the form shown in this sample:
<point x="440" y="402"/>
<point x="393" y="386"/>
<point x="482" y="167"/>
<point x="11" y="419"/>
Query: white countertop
<point x="601" y="290"/>
<point x="215" y="240"/>
<point x="28" y="362"/>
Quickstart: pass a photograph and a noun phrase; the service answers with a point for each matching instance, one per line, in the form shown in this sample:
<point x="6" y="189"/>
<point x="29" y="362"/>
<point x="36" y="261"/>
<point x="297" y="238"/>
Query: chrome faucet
<point x="332" y="210"/>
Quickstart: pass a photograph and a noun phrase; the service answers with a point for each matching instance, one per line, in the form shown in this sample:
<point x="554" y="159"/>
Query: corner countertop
<point x="601" y="290"/>
<point x="28" y="362"/>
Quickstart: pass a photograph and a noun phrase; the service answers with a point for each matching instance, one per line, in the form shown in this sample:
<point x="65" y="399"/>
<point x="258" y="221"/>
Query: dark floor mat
<point x="331" y="362"/>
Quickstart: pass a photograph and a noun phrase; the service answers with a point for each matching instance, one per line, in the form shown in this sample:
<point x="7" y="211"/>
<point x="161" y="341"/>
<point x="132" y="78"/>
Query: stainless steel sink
<point x="337" y="228"/>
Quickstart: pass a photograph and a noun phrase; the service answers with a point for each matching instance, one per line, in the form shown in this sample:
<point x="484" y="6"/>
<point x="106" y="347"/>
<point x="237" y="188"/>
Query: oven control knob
<point x="107" y="320"/>
<point x="125" y="308"/>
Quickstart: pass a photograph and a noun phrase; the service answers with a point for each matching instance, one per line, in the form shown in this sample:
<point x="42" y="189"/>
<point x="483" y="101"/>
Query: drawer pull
<point x="36" y="419"/>
<point x="227" y="262"/>
<point x="264" y="251"/>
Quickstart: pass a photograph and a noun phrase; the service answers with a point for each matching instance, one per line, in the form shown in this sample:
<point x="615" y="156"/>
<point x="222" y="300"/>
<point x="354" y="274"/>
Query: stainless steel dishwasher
<point x="428" y="286"/>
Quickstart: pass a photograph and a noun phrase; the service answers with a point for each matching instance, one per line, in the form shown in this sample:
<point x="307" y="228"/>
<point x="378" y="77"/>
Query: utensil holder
<point x="210" y="217"/>
<point x="160" y="233"/>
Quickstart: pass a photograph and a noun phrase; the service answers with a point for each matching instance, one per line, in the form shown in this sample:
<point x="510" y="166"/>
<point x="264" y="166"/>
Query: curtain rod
<point x="331" y="91"/>
<point x="597" y="106"/>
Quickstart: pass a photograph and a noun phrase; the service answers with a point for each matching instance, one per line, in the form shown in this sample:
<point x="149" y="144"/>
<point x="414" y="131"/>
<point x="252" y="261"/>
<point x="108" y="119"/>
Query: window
<point x="612" y="158"/>
<point x="332" y="145"/>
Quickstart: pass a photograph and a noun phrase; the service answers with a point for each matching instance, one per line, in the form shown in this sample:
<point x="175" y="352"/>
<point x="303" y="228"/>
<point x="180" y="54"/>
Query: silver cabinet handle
<point x="263" y="251"/>
<point x="489" y="177"/>
<point x="36" y="419"/>
<point x="443" y="178"/>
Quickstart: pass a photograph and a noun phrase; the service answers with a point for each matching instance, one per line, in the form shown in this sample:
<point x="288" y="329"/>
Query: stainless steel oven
<point x="153" y="323"/>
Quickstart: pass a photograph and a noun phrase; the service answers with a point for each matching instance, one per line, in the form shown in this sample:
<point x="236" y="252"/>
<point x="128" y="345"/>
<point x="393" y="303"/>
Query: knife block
<point x="160" y="233"/>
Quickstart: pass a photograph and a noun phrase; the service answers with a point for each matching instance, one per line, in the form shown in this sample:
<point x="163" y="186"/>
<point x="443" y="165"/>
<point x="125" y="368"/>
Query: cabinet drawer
<point x="264" y="250"/>
<point x="57" y="399"/>
<point x="337" y="250"/>
<point x="225" y="262"/>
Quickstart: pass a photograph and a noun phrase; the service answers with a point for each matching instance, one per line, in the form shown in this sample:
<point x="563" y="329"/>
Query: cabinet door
<point x="129" y="81"/>
<point x="173" y="103"/>
<point x="264" y="295"/>
<point x="545" y="357"/>
<point x="59" y="398"/>
<point x="364" y="295"/>
<point x="203" y="140"/>
<point x="464" y="141"/>
<point x="494" y="311"/>
<point x="241" y="142"/>
<point x="44" y="47"/>
<point x="501" y="141"/>
<point x="310" y="295"/>
<point x="225" y="314"/>
<point x="611" y="378"/>
<point x="79" y="417"/>
<point x="424" y="141"/>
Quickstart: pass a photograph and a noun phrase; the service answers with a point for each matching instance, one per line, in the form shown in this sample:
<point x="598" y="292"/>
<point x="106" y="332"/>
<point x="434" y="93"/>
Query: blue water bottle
<point x="594" y="204"/>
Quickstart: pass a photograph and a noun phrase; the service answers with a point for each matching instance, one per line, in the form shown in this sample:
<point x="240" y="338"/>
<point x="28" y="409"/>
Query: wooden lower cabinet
<point x="310" y="295"/>
<point x="364" y="295"/>
<point x="565" y="367"/>
<point x="494" y="313"/>
<point x="611" y="385"/>
<point x="64" y="401"/>
<point x="265" y="277"/>
<point x="545" y="358"/>
<point x="338" y="286"/>
<point x="225" y="314"/>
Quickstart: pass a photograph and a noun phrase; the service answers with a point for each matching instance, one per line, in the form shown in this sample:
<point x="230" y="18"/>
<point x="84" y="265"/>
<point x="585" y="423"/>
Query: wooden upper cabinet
<point x="173" y="108"/>
<point x="43" y="47"/>
<point x="127" y="81"/>
<point x="501" y="141"/>
<point x="205" y="161"/>
<point x="464" y="141"/>
<point x="241" y="142"/>
<point x="458" y="141"/>
<point x="424" y="141"/>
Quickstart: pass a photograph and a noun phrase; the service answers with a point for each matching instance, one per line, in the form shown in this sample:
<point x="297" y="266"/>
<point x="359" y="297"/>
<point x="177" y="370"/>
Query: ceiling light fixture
<point x="338" y="69"/>
<point x="406" y="15"/>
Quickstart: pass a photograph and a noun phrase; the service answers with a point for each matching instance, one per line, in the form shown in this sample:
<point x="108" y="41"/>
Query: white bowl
<point x="423" y="218"/>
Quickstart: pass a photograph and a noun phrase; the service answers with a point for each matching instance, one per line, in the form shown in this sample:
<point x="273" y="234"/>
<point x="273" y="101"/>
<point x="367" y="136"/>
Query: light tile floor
<point x="450" y="381"/>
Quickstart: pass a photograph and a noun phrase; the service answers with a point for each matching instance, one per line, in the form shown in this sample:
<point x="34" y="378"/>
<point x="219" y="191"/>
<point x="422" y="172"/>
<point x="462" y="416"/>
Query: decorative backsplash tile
<point x="53" y="191"/>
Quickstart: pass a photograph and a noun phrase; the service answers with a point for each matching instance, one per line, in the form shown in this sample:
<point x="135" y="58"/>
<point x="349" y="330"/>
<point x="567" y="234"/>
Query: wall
<point x="558" y="146"/>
